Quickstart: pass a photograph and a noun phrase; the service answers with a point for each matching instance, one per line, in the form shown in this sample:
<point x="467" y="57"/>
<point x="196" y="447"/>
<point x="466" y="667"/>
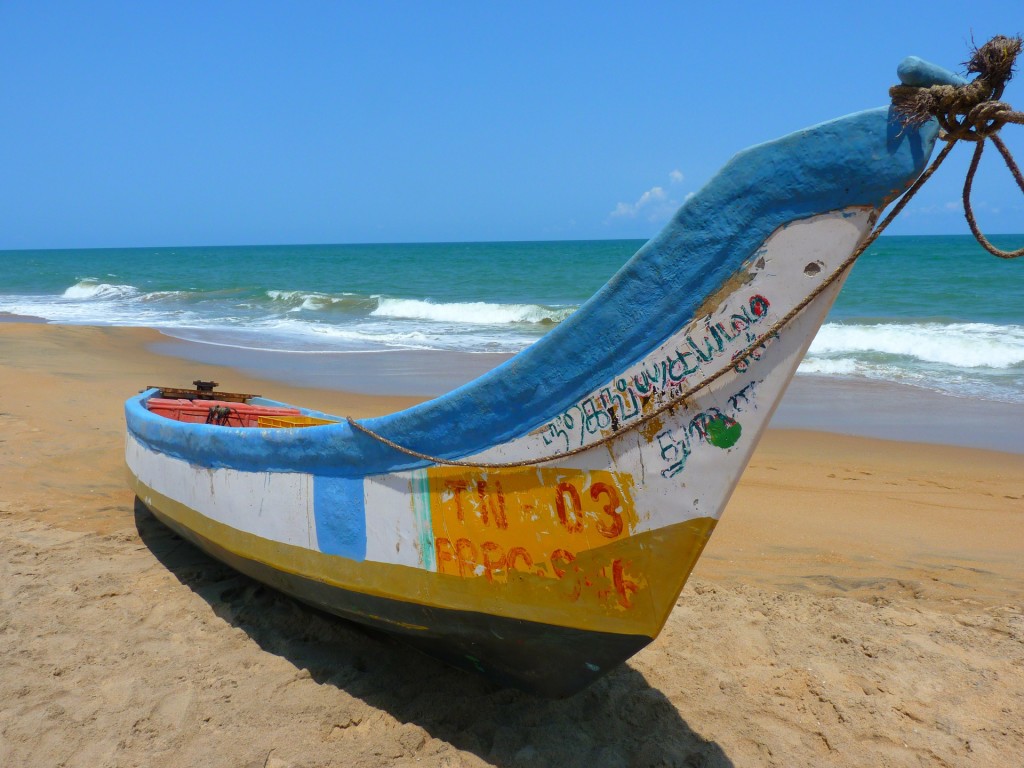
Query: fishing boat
<point x="537" y="525"/>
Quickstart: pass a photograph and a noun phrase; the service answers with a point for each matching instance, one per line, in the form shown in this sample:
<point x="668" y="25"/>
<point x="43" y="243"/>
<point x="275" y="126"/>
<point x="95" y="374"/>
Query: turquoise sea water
<point x="931" y="312"/>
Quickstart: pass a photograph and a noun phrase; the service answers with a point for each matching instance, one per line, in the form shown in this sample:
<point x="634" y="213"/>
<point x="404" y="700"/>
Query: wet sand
<point x="859" y="604"/>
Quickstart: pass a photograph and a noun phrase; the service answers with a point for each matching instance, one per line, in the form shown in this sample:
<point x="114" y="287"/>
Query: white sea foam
<point x="284" y="295"/>
<point x="313" y="301"/>
<point x="958" y="345"/>
<point x="965" y="359"/>
<point x="302" y="297"/>
<point x="390" y="333"/>
<point x="848" y="367"/>
<point x="166" y="295"/>
<point x="824" y="367"/>
<point x="295" y="335"/>
<point x="93" y="289"/>
<point x="969" y="359"/>
<point x="470" y="313"/>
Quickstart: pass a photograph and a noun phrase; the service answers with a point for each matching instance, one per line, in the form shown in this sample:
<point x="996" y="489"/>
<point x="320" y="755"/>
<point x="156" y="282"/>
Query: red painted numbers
<point x="537" y="522"/>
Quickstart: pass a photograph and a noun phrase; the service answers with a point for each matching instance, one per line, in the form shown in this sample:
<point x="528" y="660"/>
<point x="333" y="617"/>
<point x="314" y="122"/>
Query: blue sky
<point x="179" y="123"/>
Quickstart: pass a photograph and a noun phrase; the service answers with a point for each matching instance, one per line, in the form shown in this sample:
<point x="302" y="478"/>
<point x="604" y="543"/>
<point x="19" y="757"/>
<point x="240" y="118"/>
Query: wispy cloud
<point x="655" y="196"/>
<point x="953" y="207"/>
<point x="655" y="204"/>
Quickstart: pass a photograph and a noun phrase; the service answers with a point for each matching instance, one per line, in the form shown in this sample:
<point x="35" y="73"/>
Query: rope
<point x="969" y="210"/>
<point x="219" y="415"/>
<point x="971" y="112"/>
<point x="965" y="111"/>
<point x="968" y="113"/>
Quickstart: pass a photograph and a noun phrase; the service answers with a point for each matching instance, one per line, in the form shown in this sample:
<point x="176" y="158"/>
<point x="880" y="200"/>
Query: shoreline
<point x="860" y="603"/>
<point x="899" y="413"/>
<point x="813" y="402"/>
<point x="817" y="403"/>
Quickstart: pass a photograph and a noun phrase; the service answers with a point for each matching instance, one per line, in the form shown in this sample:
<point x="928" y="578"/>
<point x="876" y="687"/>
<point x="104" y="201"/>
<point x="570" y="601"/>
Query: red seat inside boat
<point x="217" y="412"/>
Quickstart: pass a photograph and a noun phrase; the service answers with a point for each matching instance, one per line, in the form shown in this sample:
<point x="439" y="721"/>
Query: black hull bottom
<point x="538" y="658"/>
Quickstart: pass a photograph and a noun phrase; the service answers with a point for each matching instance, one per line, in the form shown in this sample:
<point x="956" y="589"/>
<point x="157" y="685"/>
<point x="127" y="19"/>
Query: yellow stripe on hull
<point x="627" y="587"/>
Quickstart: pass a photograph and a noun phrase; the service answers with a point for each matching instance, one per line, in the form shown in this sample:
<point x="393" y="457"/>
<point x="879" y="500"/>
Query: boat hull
<point x="573" y="488"/>
<point x="543" y="578"/>
<point x="540" y="657"/>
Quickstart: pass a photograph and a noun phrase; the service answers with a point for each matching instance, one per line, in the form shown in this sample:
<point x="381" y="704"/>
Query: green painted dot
<point x="723" y="432"/>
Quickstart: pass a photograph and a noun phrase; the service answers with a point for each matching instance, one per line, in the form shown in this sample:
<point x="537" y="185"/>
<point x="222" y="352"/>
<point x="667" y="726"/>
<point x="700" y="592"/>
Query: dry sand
<point x="860" y="604"/>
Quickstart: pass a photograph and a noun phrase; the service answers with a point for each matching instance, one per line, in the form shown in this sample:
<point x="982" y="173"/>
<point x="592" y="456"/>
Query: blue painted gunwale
<point x="861" y="160"/>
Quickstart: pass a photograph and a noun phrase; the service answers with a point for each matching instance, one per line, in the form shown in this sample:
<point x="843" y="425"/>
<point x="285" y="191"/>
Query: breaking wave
<point x="471" y="313"/>
<point x="960" y="345"/>
<point x="91" y="288"/>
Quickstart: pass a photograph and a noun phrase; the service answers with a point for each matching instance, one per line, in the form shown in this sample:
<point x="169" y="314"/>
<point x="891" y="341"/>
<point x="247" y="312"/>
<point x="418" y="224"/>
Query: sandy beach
<point x="860" y="604"/>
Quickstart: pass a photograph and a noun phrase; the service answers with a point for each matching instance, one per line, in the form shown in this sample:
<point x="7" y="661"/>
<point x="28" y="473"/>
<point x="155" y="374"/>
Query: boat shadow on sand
<point x="620" y="720"/>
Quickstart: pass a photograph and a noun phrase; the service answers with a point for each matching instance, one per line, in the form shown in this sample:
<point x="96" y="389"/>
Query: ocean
<point x="934" y="313"/>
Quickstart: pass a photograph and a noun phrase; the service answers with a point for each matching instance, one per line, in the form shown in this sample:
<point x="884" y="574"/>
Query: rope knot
<point x="968" y="112"/>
